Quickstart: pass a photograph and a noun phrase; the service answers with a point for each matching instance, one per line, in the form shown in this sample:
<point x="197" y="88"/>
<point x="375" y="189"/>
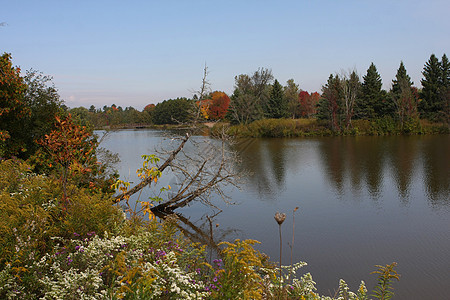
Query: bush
<point x="88" y="250"/>
<point x="31" y="212"/>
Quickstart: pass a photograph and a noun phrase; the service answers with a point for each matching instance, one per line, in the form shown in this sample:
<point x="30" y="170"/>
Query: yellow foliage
<point x="204" y="110"/>
<point x="147" y="209"/>
<point x="240" y="278"/>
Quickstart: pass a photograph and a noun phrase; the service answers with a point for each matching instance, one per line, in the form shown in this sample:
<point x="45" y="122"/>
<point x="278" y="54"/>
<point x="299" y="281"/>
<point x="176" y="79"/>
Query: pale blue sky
<point x="133" y="53"/>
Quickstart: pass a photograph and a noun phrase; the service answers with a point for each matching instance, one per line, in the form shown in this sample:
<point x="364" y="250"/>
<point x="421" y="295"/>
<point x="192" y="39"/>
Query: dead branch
<point x="202" y="93"/>
<point x="201" y="169"/>
<point x="148" y="180"/>
<point x="200" y="173"/>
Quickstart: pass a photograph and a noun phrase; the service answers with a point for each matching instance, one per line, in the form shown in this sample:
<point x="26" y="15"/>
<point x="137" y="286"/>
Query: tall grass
<point x="278" y="128"/>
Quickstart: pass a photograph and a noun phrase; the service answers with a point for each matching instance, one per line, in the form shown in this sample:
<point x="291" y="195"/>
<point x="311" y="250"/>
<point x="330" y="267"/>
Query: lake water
<point x="362" y="201"/>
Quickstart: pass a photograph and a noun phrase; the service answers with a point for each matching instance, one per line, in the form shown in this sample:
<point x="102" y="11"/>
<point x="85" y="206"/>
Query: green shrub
<point x="31" y="212"/>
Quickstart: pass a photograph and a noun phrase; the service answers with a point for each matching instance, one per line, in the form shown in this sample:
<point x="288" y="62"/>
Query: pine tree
<point x="370" y="103"/>
<point x="431" y="84"/>
<point x="445" y="72"/>
<point x="400" y="85"/>
<point x="404" y="96"/>
<point x="401" y="77"/>
<point x="276" y="106"/>
<point x="445" y="88"/>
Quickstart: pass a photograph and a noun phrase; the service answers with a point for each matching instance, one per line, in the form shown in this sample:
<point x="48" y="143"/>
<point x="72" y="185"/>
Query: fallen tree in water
<point x="203" y="170"/>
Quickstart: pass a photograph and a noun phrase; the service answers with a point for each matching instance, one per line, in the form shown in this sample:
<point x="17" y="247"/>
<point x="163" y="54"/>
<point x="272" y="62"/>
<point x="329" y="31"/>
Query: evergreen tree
<point x="445" y="72"/>
<point x="404" y="96"/>
<point x="276" y="105"/>
<point x="401" y="77"/>
<point x="400" y="84"/>
<point x="370" y="103"/>
<point x="431" y="84"/>
<point x="445" y="88"/>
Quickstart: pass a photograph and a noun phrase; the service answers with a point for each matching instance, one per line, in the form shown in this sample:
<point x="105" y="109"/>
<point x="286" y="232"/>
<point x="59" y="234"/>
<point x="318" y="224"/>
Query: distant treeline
<point x="112" y="116"/>
<point x="344" y="97"/>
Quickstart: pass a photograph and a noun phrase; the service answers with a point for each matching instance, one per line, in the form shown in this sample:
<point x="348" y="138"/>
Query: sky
<point x="133" y="53"/>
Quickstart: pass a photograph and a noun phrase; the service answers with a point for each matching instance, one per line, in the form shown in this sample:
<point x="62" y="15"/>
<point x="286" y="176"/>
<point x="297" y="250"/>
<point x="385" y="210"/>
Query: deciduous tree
<point x="206" y="171"/>
<point x="304" y="104"/>
<point x="70" y="149"/>
<point x="219" y="105"/>
<point x="350" y="89"/>
<point x="406" y="101"/>
<point x="330" y="106"/>
<point x="308" y="104"/>
<point x="291" y="91"/>
<point x="13" y="108"/>
<point x="200" y="107"/>
<point x="250" y="96"/>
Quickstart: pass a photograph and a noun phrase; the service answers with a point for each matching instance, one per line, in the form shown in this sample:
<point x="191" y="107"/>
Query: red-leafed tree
<point x="308" y="103"/>
<point x="219" y="105"/>
<point x="303" y="99"/>
<point x="149" y="107"/>
<point x="314" y="100"/>
<point x="331" y="104"/>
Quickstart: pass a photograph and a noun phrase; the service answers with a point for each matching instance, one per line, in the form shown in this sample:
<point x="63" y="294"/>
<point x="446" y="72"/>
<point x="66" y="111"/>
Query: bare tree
<point x="406" y="101"/>
<point x="341" y="93"/>
<point x="204" y="169"/>
<point x="148" y="180"/>
<point x="350" y="86"/>
<point x="202" y="93"/>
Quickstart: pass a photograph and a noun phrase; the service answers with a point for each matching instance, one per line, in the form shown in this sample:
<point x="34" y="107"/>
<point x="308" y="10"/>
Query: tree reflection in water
<point x="364" y="164"/>
<point x="204" y="232"/>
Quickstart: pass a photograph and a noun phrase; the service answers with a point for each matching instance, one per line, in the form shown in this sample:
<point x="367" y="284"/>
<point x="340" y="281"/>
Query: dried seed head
<point x="295" y="209"/>
<point x="280" y="218"/>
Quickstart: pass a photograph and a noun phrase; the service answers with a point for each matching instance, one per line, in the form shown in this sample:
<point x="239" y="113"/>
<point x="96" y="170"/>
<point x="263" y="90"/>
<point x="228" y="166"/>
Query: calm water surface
<point x="362" y="201"/>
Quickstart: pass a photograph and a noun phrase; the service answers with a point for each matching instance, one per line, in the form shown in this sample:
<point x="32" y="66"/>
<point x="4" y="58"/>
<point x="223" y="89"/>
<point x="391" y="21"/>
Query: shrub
<point x="31" y="212"/>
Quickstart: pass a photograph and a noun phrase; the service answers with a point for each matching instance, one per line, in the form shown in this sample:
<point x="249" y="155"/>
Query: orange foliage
<point x="219" y="105"/>
<point x="150" y="107"/>
<point x="71" y="152"/>
<point x="70" y="143"/>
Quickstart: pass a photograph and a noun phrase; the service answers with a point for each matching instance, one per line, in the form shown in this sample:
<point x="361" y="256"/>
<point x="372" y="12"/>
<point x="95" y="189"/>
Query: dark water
<point x="362" y="201"/>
